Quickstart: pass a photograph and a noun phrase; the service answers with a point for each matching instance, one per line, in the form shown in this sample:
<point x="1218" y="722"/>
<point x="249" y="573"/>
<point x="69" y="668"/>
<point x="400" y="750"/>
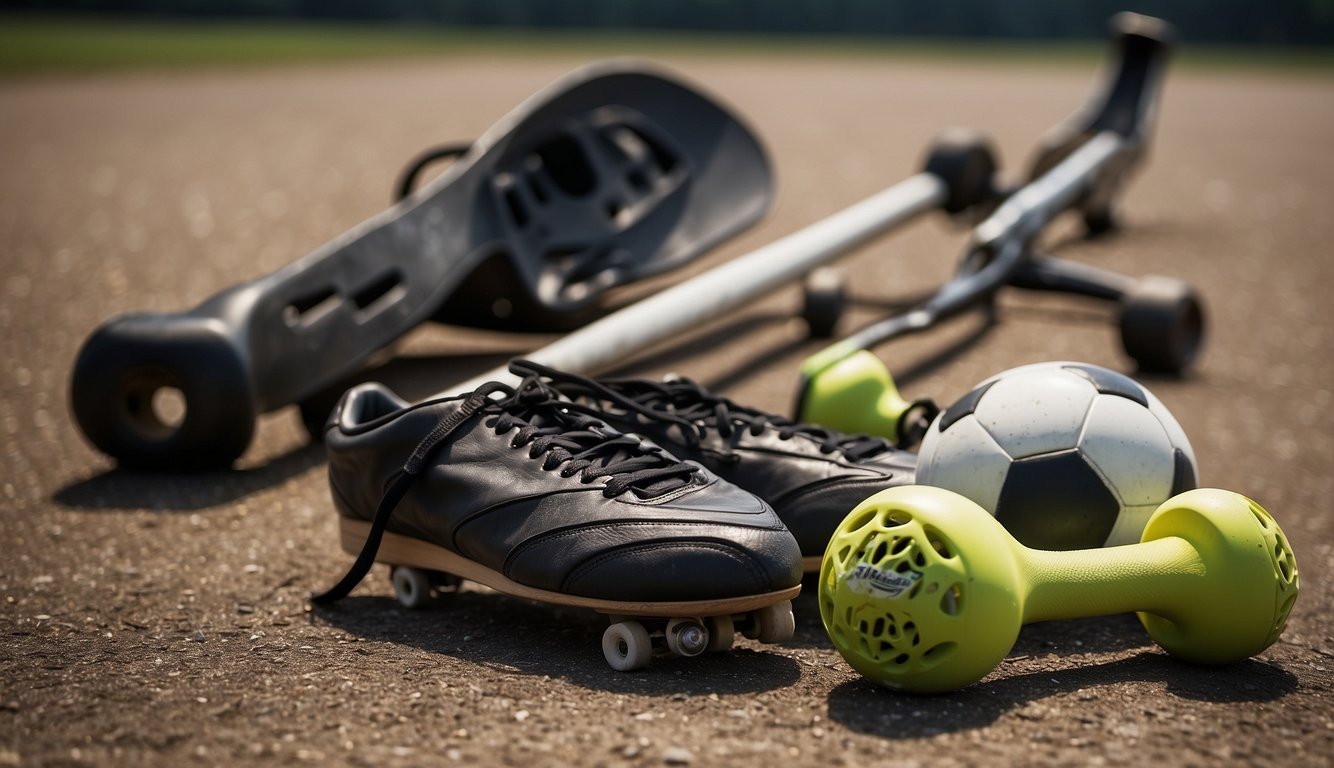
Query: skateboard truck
<point x="614" y="173"/>
<point x="1080" y="166"/>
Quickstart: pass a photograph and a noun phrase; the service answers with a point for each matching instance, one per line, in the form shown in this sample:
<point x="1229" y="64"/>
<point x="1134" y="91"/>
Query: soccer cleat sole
<point x="639" y="629"/>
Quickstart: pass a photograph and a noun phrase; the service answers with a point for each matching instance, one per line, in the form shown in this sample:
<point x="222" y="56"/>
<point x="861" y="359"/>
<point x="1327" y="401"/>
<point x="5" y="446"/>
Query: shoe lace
<point x="566" y="436"/>
<point x="576" y="440"/>
<point x="695" y="410"/>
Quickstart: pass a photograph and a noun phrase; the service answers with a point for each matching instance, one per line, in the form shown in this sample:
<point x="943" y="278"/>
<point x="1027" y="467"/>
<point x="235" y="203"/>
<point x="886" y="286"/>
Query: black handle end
<point x="164" y="392"/>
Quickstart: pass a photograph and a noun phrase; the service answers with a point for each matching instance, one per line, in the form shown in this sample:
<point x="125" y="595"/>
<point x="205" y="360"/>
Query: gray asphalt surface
<point x="153" y="619"/>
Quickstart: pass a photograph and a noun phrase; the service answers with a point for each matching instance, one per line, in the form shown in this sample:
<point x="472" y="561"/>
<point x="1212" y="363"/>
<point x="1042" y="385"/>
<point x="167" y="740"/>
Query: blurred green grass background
<point x="32" y="45"/>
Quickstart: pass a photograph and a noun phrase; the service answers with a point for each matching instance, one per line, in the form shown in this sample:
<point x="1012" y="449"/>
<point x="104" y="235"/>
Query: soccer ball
<point x="1065" y="455"/>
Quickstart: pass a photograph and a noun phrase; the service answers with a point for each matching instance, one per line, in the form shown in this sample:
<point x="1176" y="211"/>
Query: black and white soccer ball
<point x="1065" y="455"/>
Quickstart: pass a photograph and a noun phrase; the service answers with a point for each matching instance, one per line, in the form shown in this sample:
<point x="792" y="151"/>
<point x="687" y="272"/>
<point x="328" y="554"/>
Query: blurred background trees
<point x="1281" y="22"/>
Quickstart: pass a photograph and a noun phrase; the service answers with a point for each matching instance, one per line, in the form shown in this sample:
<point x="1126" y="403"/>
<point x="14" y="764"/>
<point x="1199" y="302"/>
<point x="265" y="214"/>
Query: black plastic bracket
<point x="614" y="173"/>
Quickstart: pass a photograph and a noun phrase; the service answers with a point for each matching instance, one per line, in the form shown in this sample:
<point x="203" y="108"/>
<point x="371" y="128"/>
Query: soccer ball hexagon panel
<point x="1032" y="413"/>
<point x="1066" y="455"/>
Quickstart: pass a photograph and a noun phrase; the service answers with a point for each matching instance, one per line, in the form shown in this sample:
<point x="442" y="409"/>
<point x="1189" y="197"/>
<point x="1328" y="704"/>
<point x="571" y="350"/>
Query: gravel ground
<point x="152" y="619"/>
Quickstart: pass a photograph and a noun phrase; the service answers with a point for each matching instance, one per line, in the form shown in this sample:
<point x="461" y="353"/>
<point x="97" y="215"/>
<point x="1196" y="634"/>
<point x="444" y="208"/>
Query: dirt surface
<point x="154" y="619"/>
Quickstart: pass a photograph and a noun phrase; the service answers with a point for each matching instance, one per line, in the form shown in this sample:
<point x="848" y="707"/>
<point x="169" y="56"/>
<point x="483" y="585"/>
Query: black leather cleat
<point x="538" y="498"/>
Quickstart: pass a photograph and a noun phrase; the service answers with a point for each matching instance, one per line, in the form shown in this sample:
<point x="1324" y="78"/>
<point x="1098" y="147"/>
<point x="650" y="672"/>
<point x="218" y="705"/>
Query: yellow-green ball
<point x="914" y="608"/>
<point x="1250" y="568"/>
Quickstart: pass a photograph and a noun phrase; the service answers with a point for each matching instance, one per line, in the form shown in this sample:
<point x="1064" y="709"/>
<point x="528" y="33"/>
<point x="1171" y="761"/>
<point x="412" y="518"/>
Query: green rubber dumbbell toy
<point x="922" y="590"/>
<point x="850" y="390"/>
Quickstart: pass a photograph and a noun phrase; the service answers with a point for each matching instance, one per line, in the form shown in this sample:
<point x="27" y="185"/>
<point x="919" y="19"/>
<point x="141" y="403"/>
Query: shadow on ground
<point x="120" y="489"/>
<point x="524" y="637"/>
<point x="865" y="707"/>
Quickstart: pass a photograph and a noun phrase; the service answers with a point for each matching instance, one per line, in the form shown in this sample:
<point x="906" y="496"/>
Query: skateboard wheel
<point x="824" y="298"/>
<point x="1099" y="221"/>
<point x="721" y="633"/>
<point x="775" y="623"/>
<point x="965" y="161"/>
<point x="687" y="637"/>
<point x="412" y="586"/>
<point x="1162" y="324"/>
<point x="627" y="646"/>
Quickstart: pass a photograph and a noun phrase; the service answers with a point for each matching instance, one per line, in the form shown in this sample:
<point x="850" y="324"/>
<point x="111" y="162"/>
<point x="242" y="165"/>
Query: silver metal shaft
<point x="613" y="339"/>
